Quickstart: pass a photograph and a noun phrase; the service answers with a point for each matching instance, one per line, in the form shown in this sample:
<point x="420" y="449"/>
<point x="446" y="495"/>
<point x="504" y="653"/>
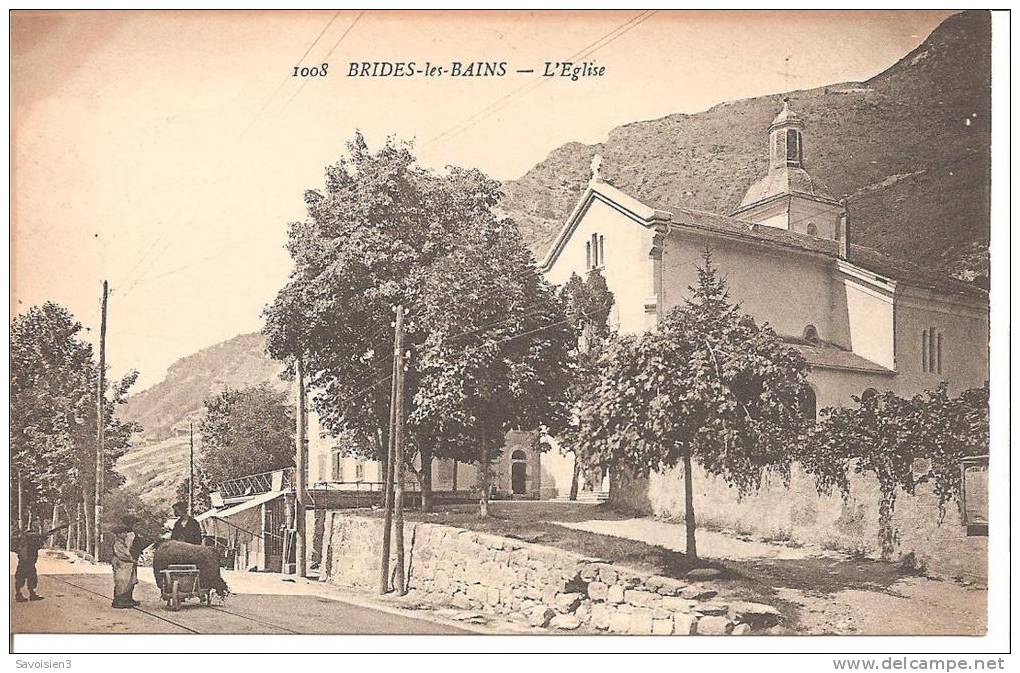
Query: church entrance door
<point x="519" y="473"/>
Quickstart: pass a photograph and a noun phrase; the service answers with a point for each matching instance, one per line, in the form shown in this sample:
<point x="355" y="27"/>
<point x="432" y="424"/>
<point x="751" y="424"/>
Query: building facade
<point x="861" y="319"/>
<point x="515" y="473"/>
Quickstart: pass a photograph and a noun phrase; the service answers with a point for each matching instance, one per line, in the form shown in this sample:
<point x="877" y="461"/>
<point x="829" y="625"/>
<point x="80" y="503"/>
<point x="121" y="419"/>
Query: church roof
<point x="825" y="355"/>
<point x="786" y="116"/>
<point x="861" y="256"/>
<point x="866" y="258"/>
<point x="782" y="181"/>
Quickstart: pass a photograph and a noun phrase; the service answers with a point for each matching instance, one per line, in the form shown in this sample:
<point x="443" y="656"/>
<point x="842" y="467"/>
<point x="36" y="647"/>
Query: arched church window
<point x="809" y="404"/>
<point x="519" y="455"/>
<point x="811" y="334"/>
<point x="811" y="228"/>
<point x="792" y="145"/>
<point x="868" y="394"/>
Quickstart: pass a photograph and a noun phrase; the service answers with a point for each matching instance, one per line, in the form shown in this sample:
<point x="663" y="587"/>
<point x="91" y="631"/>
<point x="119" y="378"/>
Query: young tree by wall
<point x="589" y="304"/>
<point x="710" y="385"/>
<point x="488" y="340"/>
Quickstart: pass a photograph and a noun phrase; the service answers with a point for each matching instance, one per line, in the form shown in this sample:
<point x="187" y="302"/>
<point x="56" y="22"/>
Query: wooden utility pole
<point x="100" y="431"/>
<point x="398" y="454"/>
<point x="384" y="561"/>
<point x="191" y="468"/>
<point x="302" y="546"/>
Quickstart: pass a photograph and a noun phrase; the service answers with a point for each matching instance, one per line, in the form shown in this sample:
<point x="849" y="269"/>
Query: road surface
<point x="79" y="602"/>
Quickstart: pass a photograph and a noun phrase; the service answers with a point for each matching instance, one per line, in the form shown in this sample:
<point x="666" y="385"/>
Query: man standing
<point x="27" y="548"/>
<point x="186" y="529"/>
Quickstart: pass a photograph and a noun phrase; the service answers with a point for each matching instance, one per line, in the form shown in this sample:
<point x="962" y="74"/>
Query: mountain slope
<point x="235" y="363"/>
<point x="910" y="148"/>
<point x="158" y="461"/>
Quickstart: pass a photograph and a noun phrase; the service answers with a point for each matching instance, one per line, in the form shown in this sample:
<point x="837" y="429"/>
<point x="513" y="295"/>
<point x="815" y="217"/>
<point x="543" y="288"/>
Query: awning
<point x="244" y="516"/>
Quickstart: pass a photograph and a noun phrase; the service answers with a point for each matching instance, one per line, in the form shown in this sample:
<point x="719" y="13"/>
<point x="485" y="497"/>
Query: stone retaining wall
<point x="531" y="583"/>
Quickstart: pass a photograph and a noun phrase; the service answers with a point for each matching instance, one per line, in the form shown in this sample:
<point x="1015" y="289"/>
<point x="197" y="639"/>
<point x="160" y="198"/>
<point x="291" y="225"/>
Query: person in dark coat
<point x="186" y="528"/>
<point x="27" y="545"/>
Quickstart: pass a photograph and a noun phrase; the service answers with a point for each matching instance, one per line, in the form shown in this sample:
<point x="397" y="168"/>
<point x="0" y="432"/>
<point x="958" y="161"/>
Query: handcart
<point x="181" y="582"/>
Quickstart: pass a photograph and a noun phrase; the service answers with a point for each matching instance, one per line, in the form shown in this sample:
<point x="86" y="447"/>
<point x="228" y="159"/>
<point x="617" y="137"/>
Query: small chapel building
<point x="860" y="318"/>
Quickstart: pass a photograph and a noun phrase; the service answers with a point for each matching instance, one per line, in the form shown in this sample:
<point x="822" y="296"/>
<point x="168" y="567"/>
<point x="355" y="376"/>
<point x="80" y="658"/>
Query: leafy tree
<point x="54" y="378"/>
<point x="588" y="304"/>
<point x="245" y="432"/>
<point x="203" y="488"/>
<point x="902" y="442"/>
<point x="710" y="385"/>
<point x="487" y="336"/>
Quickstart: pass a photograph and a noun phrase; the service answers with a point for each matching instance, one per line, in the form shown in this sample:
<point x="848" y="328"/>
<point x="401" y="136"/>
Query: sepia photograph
<point x="526" y="323"/>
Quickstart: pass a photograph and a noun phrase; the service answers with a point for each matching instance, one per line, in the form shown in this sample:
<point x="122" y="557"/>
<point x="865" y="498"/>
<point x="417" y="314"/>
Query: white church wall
<point x="869" y="315"/>
<point x="627" y="268"/>
<point x="964" y="329"/>
<point x="789" y="291"/>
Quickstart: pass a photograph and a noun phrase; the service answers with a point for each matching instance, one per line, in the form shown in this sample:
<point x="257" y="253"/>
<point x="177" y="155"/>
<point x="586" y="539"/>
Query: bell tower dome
<point x="786" y="139"/>
<point x="788" y="197"/>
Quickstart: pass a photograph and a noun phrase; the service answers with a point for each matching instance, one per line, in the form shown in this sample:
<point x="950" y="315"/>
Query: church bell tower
<point x="788" y="197"/>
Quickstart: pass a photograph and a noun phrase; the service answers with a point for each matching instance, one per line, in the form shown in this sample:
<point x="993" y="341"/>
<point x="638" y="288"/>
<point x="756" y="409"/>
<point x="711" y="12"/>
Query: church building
<point x="860" y="318"/>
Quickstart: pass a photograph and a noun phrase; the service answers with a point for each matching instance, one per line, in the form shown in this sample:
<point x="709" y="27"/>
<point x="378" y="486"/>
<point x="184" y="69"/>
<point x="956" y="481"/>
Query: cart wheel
<point x="175" y="596"/>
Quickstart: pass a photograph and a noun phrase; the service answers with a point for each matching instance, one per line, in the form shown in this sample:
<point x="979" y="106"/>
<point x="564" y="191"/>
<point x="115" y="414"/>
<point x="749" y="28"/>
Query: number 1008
<point x="313" y="71"/>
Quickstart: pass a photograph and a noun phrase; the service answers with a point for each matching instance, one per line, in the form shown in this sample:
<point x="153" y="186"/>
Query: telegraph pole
<point x="299" y="462"/>
<point x="398" y="453"/>
<point x="388" y="484"/>
<point x="100" y="431"/>
<point x="191" y="468"/>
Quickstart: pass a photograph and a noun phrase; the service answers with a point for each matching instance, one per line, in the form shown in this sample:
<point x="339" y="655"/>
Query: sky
<point x="167" y="151"/>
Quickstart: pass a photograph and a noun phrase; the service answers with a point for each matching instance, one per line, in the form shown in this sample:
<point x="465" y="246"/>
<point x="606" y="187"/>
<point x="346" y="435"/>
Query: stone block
<point x="698" y="593"/>
<point x="741" y="630"/>
<point x="589" y="572"/>
<point x="662" y="613"/>
<point x="607" y="575"/>
<point x="619" y="622"/>
<point x="639" y="598"/>
<point x="670" y="587"/>
<point x="714" y="626"/>
<point x="460" y="600"/>
<point x="600" y="615"/>
<point x="712" y="608"/>
<point x="567" y="602"/>
<point x="565" y="622"/>
<point x="477" y="593"/>
<point x="684" y="624"/>
<point x="640" y="622"/>
<point x="662" y="627"/>
<point x="676" y="604"/>
<point x="597" y="591"/>
<point x="541" y="616"/>
<point x="492" y="596"/>
<point x="615" y="594"/>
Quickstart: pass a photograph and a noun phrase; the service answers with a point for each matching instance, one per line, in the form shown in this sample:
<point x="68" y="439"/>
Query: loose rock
<point x="702" y="574"/>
